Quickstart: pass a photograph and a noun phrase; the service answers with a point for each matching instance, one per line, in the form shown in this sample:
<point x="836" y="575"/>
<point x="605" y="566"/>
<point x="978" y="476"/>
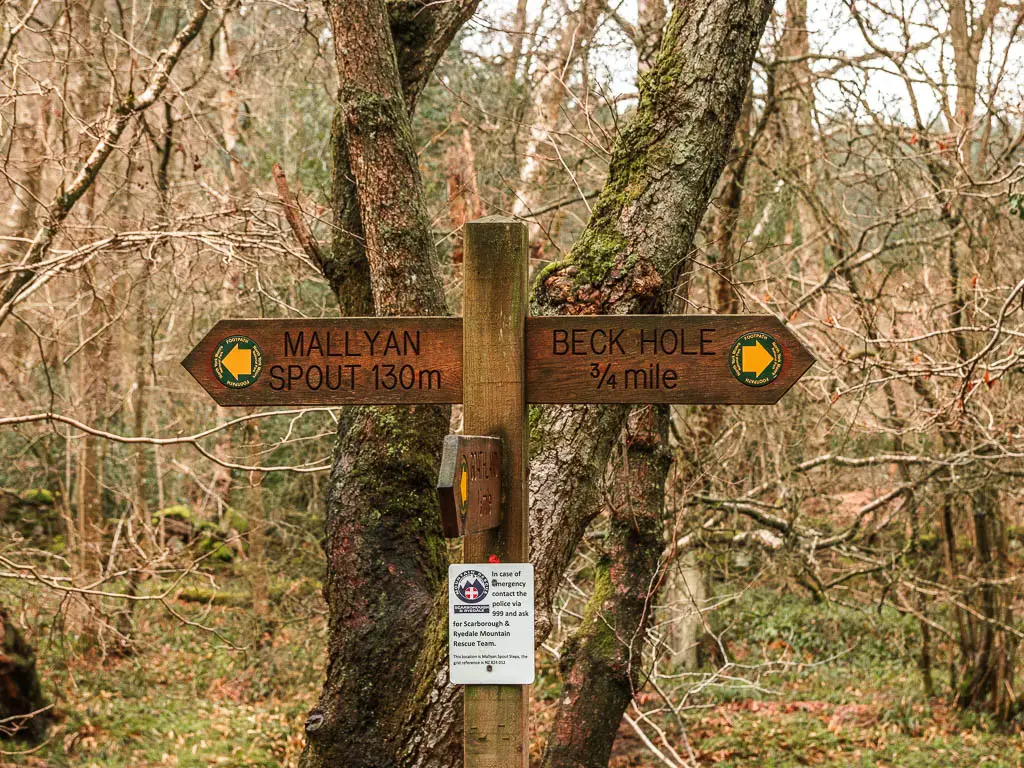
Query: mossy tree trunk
<point x="386" y="557"/>
<point x="630" y="258"/>
<point x="664" y="168"/>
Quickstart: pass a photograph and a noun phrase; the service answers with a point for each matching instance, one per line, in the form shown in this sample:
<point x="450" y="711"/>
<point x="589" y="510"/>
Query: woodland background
<point x="837" y="577"/>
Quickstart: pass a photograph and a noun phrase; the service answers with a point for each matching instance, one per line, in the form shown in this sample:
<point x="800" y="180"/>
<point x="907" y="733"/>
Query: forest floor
<point x="849" y="694"/>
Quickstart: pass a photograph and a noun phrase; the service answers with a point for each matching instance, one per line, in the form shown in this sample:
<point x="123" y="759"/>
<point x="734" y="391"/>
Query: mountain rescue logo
<point x="237" y="362"/>
<point x="756" y="359"/>
<point x="471" y="587"/>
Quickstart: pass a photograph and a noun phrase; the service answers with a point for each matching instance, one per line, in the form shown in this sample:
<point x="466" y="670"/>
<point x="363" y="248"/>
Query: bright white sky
<point x="832" y="31"/>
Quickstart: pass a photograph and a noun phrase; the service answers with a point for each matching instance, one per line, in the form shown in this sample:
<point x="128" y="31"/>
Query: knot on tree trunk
<point x="314" y="723"/>
<point x="580" y="288"/>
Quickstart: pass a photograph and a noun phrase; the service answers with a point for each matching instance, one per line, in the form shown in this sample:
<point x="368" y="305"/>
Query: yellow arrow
<point x="756" y="358"/>
<point x="239" y="362"/>
<point x="463" y="485"/>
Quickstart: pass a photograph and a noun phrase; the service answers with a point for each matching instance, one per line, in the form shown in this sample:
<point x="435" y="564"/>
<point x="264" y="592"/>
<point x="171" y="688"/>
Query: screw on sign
<point x="494" y="360"/>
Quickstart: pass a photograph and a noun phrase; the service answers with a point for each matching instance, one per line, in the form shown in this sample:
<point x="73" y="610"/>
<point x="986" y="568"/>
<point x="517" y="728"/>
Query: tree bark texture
<point x="421" y="32"/>
<point x="386" y="556"/>
<point x="602" y="663"/>
<point x="663" y="170"/>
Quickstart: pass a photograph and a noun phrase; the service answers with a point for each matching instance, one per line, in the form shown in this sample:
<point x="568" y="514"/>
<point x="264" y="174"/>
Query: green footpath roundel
<point x="237" y="362"/>
<point x="756" y="359"/>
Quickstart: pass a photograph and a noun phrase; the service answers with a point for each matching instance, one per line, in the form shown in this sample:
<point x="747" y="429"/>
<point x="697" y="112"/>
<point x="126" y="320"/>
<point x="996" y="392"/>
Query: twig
<point x="293" y="214"/>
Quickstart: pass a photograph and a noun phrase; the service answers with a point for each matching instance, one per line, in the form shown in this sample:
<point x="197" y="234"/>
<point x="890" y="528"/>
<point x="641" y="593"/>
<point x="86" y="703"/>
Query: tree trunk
<point x="23" y="180"/>
<point x="686" y="598"/>
<point x="602" y="664"/>
<point x="20" y="692"/>
<point x="385" y="551"/>
<point x="987" y="648"/>
<point x="516" y="38"/>
<point x="989" y="683"/>
<point x="230" y="107"/>
<point x="664" y="167"/>
<point x="796" y="92"/>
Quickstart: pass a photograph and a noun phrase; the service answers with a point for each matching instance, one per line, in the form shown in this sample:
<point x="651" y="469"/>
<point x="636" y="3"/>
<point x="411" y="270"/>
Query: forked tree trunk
<point x="385" y="552"/>
<point x="386" y="701"/>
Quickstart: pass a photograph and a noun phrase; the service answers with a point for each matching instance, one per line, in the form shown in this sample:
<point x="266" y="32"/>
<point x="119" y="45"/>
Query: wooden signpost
<point x="494" y="360"/>
<point x="683" y="359"/>
<point x="724" y="359"/>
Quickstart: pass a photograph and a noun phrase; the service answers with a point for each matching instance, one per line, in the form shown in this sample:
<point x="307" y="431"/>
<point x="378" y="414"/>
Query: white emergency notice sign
<point x="490" y="624"/>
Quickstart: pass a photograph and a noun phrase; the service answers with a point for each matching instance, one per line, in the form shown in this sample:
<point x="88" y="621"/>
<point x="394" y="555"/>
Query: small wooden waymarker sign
<point x="469" y="484"/>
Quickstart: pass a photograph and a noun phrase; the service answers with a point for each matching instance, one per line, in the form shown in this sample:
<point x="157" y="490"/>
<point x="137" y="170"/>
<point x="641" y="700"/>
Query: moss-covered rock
<point x="177" y="512"/>
<point x="208" y="544"/>
<point x="40" y="496"/>
<point x="214" y="597"/>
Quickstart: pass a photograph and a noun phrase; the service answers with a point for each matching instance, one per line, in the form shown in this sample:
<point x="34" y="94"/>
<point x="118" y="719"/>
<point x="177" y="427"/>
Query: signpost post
<point x="494" y="360"/>
<point x="494" y="305"/>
